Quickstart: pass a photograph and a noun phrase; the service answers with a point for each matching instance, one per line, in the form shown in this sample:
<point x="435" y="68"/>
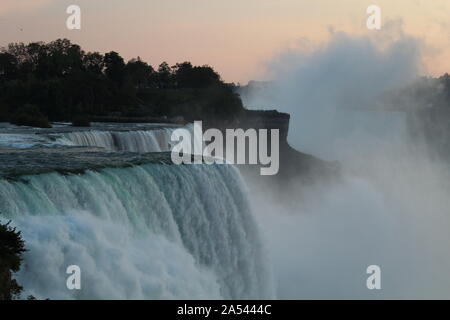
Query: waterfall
<point x="142" y="141"/>
<point x="133" y="141"/>
<point x="152" y="231"/>
<point x="156" y="140"/>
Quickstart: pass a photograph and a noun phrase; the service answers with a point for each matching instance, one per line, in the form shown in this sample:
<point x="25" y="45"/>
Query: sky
<point x="236" y="37"/>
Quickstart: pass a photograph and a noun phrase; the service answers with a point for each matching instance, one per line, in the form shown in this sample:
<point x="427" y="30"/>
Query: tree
<point x="12" y="247"/>
<point x="139" y="73"/>
<point x="29" y="115"/>
<point x="187" y="76"/>
<point x="58" y="81"/>
<point x="114" y="67"/>
<point x="93" y="62"/>
<point x="8" y="66"/>
<point x="164" y="76"/>
<point x="64" y="57"/>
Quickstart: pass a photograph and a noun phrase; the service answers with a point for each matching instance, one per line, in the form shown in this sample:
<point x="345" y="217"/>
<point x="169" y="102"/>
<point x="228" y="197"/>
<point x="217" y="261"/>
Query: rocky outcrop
<point x="270" y="119"/>
<point x="294" y="165"/>
<point x="255" y="119"/>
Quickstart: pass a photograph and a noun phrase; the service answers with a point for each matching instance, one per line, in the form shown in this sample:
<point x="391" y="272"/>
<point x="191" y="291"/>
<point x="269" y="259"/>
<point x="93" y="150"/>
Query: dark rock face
<point x="255" y="119"/>
<point x="298" y="174"/>
<point x="270" y="119"/>
<point x="294" y="165"/>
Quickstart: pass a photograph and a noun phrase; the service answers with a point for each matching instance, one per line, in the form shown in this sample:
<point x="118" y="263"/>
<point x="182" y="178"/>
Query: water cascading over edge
<point x="156" y="140"/>
<point x="145" y="232"/>
<point x="133" y="141"/>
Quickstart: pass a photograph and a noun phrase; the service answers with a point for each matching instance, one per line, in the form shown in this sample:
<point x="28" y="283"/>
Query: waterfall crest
<point x="144" y="232"/>
<point x="133" y="141"/>
<point x="141" y="140"/>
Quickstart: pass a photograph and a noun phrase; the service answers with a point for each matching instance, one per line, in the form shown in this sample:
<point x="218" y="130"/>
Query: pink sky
<point x="236" y="37"/>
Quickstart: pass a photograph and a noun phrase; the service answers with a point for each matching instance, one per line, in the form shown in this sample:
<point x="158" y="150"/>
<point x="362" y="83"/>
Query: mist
<point x="391" y="207"/>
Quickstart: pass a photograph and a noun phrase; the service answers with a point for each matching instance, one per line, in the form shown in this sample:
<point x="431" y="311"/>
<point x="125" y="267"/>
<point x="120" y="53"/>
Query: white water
<point x="392" y="207"/>
<point x="154" y="140"/>
<point x="146" y="232"/>
<point x="133" y="141"/>
<point x="24" y="141"/>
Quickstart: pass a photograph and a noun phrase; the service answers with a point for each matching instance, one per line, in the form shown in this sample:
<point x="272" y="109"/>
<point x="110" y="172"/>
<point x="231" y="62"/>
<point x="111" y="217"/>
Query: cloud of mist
<point x="391" y="207"/>
<point x="396" y="216"/>
<point x="318" y="84"/>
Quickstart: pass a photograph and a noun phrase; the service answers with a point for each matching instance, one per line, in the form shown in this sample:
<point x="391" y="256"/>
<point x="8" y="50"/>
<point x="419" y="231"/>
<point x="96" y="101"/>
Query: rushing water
<point x="113" y="138"/>
<point x="138" y="226"/>
<point x="149" y="231"/>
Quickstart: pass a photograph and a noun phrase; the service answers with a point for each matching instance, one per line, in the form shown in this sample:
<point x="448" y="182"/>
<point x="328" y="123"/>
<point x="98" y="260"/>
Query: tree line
<point x="58" y="81"/>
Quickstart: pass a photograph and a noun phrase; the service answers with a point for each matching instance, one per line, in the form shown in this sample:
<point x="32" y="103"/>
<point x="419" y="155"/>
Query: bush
<point x="11" y="249"/>
<point x="3" y="112"/>
<point x="81" y="121"/>
<point x="30" y="115"/>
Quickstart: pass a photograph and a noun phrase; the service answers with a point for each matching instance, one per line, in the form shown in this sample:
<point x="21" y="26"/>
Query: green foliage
<point x="81" y="121"/>
<point x="140" y="73"/>
<point x="30" y="115"/>
<point x="114" y="67"/>
<point x="11" y="248"/>
<point x="214" y="103"/>
<point x="62" y="82"/>
<point x="4" y="112"/>
<point x="165" y="76"/>
<point x="187" y="76"/>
